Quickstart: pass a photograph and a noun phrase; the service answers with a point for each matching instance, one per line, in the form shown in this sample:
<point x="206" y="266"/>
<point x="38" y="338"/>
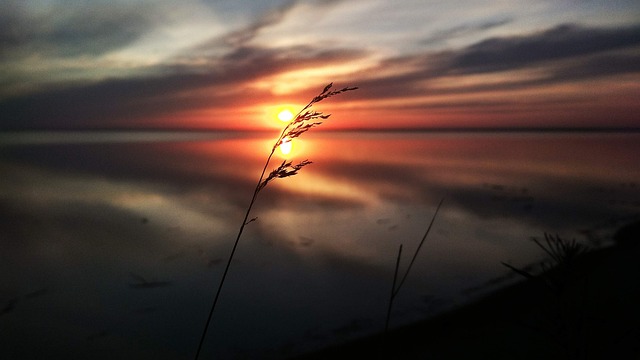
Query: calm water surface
<point x="112" y="244"/>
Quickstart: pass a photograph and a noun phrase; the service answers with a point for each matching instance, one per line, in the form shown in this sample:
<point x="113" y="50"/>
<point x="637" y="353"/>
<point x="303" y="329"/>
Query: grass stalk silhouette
<point x="557" y="271"/>
<point x="569" y="322"/>
<point x="304" y="121"/>
<point x="395" y="290"/>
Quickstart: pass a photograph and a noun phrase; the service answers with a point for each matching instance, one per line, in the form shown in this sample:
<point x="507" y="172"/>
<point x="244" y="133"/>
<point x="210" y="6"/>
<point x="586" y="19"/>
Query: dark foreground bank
<point x="588" y="309"/>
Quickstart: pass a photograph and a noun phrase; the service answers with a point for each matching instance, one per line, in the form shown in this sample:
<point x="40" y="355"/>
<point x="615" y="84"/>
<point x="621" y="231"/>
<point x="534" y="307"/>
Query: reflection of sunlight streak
<point x="138" y="198"/>
<point x="166" y="210"/>
<point x="288" y="150"/>
<point x="340" y="232"/>
<point x="329" y="188"/>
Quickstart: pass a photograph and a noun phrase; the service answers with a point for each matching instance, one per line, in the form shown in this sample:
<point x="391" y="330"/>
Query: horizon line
<point x="476" y="129"/>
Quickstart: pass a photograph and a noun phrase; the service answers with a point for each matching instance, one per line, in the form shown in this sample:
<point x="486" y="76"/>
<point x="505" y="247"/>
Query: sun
<point x="285" y="115"/>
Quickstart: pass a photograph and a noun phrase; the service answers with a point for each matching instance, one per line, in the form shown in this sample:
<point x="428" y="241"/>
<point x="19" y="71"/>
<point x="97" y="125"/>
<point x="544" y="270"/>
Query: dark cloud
<point x="67" y="31"/>
<point x="599" y="65"/>
<point x="561" y="42"/>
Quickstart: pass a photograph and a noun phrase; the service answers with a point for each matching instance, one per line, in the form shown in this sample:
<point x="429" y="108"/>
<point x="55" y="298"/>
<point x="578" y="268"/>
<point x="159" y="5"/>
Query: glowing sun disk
<point x="285" y="115"/>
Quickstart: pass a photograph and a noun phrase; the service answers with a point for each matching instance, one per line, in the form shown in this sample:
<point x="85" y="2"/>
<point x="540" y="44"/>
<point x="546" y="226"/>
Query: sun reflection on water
<point x="286" y="146"/>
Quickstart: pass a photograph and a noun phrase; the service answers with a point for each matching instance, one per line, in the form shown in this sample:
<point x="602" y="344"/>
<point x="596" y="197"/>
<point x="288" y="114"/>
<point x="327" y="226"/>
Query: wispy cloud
<point x="269" y="18"/>
<point x="441" y="36"/>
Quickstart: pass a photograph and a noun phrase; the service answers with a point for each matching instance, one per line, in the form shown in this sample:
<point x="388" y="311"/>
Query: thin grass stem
<point x="415" y="254"/>
<point x="393" y="290"/>
<point x="396" y="289"/>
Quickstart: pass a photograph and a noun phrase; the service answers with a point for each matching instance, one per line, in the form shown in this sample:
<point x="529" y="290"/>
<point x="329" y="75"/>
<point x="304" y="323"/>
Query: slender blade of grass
<point x="393" y="290"/>
<point x="415" y="254"/>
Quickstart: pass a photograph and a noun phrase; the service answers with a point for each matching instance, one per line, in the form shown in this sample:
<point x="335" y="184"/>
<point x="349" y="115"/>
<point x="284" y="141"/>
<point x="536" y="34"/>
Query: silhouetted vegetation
<point x="304" y="121"/>
<point x="395" y="290"/>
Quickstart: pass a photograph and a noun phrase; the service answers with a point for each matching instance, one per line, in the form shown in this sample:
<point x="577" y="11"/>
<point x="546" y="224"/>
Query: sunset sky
<point x="210" y="64"/>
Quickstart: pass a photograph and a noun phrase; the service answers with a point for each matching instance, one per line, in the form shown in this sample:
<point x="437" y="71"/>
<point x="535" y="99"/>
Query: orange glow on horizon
<point x="273" y="116"/>
<point x="451" y="105"/>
